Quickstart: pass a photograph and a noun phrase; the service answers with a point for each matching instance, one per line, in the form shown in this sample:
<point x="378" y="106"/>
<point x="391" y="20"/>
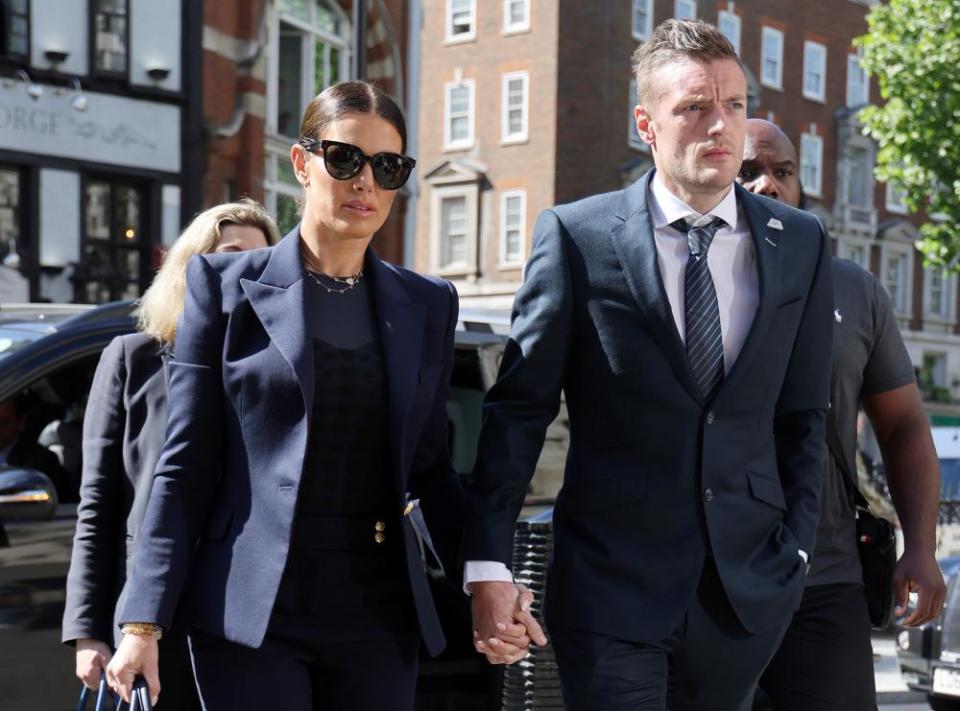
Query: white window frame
<point x="505" y="135"/>
<point x="736" y="25"/>
<point x="814" y="142"/>
<point x="945" y="315"/>
<point x="506" y="263"/>
<point x="892" y="201"/>
<point x="815" y="63"/>
<point x="845" y="243"/>
<point x="905" y="251"/>
<point x="461" y="144"/>
<point x="691" y="5"/>
<point x="868" y="187"/>
<point x="523" y="25"/>
<point x="642" y="34"/>
<point x="633" y="136"/>
<point x="771" y="34"/>
<point x="437" y="196"/>
<point x="854" y="69"/>
<point x="308" y="69"/>
<point x="449" y="37"/>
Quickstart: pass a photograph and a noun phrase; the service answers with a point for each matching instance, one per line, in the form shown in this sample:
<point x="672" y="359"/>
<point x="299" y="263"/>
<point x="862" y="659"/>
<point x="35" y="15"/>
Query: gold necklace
<point x="314" y="272"/>
<point x="349" y="282"/>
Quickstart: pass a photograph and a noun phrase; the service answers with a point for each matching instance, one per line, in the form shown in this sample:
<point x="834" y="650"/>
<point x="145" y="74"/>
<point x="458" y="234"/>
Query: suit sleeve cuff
<point x="803" y="554"/>
<point x="477" y="571"/>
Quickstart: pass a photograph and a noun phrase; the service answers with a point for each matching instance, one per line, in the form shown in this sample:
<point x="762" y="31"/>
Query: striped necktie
<point x="704" y="340"/>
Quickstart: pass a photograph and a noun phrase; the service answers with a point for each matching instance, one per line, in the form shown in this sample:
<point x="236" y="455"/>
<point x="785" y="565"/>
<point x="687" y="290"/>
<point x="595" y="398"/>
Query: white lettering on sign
<point x="113" y="129"/>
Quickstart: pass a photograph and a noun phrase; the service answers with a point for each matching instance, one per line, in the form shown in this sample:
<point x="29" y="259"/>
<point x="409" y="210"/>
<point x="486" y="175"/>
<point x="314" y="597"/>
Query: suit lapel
<point x="278" y="298"/>
<point x="636" y="249"/>
<point x="769" y="267"/>
<point x="401" y="324"/>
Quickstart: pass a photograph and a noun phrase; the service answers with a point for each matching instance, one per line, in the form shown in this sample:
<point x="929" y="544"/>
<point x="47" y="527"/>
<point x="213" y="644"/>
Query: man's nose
<point x="764" y="185"/>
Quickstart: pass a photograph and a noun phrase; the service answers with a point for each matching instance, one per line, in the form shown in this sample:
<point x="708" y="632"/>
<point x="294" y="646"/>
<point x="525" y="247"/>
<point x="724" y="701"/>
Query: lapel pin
<point x="775" y="223"/>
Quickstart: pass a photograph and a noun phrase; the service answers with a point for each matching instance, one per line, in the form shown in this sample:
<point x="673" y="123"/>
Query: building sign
<point x="112" y="129"/>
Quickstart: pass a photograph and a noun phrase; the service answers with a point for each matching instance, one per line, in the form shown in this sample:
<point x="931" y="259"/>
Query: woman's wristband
<point x="142" y="628"/>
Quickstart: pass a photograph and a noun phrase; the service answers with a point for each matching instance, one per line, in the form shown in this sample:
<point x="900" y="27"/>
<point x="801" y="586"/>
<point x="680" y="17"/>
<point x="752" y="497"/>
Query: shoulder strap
<point x="833" y="441"/>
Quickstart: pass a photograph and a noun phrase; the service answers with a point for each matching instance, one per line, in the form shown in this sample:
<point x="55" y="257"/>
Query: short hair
<point x="677" y="39"/>
<point x="161" y="305"/>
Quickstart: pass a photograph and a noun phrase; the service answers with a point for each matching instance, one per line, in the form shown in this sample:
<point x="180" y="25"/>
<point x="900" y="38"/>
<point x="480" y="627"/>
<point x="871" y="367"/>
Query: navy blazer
<point x="240" y="392"/>
<point x="655" y="477"/>
<point x="122" y="436"/>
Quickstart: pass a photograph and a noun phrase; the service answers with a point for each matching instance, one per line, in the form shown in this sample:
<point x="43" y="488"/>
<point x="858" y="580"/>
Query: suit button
<point x="711" y="417"/>
<point x="708" y="495"/>
<point x="379" y="537"/>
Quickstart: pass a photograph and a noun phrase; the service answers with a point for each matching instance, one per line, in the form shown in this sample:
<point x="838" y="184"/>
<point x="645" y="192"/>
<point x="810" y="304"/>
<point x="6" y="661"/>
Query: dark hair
<point x="351" y="97"/>
<point x="678" y="39"/>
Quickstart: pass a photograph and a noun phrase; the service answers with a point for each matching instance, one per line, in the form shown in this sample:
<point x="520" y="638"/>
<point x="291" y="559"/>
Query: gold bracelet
<point x="142" y="628"/>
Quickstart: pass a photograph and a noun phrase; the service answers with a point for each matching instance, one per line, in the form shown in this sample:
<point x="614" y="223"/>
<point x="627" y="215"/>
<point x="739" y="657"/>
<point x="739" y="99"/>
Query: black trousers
<point x="178" y="688"/>
<point x="343" y="635"/>
<point x="709" y="662"/>
<point x="825" y="662"/>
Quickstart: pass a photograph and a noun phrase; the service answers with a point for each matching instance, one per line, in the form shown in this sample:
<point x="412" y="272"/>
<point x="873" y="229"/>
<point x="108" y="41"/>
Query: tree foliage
<point x="913" y="49"/>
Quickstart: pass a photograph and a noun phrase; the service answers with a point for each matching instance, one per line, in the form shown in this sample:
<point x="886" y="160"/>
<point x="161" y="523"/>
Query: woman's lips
<point x="360" y="209"/>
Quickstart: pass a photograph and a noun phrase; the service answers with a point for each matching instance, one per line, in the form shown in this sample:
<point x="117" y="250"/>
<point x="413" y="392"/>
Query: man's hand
<point x="92" y="657"/>
<point x="919" y="573"/>
<point x="137" y="654"/>
<point x="502" y="623"/>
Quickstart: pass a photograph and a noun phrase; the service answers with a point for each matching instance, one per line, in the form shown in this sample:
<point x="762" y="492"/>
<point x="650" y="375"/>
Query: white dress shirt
<point x="732" y="260"/>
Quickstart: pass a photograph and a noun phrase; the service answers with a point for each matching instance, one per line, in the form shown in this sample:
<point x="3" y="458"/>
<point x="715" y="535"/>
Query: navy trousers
<point x="709" y="662"/>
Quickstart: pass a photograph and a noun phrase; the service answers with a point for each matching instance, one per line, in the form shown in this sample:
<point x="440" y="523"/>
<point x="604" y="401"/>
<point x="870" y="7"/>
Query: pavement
<point x="892" y="693"/>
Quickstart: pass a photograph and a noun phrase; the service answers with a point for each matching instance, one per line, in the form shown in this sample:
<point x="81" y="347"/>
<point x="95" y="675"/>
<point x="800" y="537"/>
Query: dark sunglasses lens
<point x="390" y="170"/>
<point x="343" y="161"/>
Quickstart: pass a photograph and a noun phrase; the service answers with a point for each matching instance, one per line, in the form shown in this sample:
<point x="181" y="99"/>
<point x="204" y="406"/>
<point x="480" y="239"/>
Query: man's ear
<point x="645" y="125"/>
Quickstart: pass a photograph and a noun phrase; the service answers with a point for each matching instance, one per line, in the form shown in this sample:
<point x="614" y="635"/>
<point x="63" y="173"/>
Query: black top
<point x="869" y="357"/>
<point x="346" y="467"/>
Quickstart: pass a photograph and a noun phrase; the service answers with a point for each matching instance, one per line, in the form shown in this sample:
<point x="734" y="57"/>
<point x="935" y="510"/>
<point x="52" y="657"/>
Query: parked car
<point x="929" y="655"/>
<point x="48" y="354"/>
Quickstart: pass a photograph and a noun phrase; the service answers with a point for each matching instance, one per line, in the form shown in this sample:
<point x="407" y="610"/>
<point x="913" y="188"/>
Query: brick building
<point x="528" y="103"/>
<point x="263" y="60"/>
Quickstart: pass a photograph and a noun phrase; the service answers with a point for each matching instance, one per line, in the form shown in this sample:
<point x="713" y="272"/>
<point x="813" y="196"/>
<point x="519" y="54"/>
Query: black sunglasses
<point x="344" y="160"/>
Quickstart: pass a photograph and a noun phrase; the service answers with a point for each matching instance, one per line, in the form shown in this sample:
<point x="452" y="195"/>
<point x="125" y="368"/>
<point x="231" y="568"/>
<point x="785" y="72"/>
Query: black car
<point x="48" y="354"/>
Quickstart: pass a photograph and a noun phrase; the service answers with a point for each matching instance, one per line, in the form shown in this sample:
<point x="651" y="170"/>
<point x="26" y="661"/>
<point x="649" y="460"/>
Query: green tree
<point x="913" y="49"/>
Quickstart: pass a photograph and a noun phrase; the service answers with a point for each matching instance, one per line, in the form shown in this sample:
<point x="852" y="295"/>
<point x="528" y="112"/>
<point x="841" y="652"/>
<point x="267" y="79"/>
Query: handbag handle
<point x="139" y="697"/>
<point x="102" y="696"/>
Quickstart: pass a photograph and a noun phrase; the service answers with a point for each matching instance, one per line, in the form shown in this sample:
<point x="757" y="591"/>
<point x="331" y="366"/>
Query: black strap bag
<point x="876" y="541"/>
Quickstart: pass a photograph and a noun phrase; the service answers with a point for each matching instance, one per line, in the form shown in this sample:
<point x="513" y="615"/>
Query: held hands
<point x="918" y="572"/>
<point x="137" y="654"/>
<point x="92" y="657"/>
<point x="503" y="626"/>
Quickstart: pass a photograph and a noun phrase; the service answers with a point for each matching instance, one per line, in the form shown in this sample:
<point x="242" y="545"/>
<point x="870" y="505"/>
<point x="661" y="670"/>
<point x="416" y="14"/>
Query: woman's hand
<point x="92" y="658"/>
<point x="137" y="654"/>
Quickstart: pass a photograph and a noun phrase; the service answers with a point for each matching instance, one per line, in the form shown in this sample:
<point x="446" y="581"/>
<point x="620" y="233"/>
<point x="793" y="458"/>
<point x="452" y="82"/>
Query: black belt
<point x="345" y="532"/>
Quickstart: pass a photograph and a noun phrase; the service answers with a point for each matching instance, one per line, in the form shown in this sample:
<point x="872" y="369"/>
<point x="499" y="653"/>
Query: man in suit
<point x="18" y="451"/>
<point x="688" y="323"/>
<point x="825" y="662"/>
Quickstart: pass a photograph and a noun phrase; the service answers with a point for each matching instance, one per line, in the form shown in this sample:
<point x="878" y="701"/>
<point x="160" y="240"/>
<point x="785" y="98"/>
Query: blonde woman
<point x="123" y="434"/>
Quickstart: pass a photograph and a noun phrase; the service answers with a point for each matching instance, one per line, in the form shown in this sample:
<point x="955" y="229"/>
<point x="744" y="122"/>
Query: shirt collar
<point x="665" y="207"/>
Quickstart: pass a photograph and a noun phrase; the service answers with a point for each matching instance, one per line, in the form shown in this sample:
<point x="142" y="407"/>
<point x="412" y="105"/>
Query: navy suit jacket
<point x="240" y="392"/>
<point x="655" y="477"/>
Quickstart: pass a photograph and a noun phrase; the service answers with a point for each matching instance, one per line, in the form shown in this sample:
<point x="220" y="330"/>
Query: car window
<point x="474" y="370"/>
<point x="13" y="339"/>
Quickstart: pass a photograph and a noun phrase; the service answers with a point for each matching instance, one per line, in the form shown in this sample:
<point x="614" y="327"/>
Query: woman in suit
<point x="307" y="420"/>
<point x="122" y="438"/>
